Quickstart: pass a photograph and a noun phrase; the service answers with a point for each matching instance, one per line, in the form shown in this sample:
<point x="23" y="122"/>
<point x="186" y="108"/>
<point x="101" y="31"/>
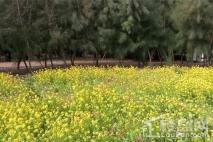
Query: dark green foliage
<point x="142" y="29"/>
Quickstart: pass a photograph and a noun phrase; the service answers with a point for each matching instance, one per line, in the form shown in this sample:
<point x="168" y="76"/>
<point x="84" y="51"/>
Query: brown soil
<point x="11" y="67"/>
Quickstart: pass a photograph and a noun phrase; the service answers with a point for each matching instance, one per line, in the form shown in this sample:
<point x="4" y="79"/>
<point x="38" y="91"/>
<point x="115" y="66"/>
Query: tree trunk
<point x="30" y="65"/>
<point x="49" y="24"/>
<point x="161" y="62"/>
<point x="51" y="60"/>
<point x="104" y="56"/>
<point x="211" y="50"/>
<point x="39" y="60"/>
<point x="29" y="53"/>
<point x="29" y="61"/>
<point x="18" y="63"/>
<point x="25" y="63"/>
<point x="181" y="59"/>
<point x="211" y="55"/>
<point x="8" y="57"/>
<point x="22" y="25"/>
<point x="73" y="59"/>
<point x="96" y="60"/>
<point x="64" y="59"/>
<point x="173" y="57"/>
<point x="45" y="60"/>
<point x="150" y="57"/>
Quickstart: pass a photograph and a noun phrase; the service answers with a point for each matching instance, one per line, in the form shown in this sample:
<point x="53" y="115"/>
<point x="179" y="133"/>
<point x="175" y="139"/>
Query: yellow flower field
<point x="100" y="105"/>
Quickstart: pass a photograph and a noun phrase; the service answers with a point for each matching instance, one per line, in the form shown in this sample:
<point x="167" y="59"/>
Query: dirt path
<point x="35" y="64"/>
<point x="11" y="67"/>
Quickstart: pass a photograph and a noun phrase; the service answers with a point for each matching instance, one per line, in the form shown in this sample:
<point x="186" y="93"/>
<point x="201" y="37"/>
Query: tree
<point x="140" y="29"/>
<point x="193" y="19"/>
<point x="16" y="26"/>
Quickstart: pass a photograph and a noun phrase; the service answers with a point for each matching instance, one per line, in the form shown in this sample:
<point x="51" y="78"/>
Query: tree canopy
<point x="137" y="29"/>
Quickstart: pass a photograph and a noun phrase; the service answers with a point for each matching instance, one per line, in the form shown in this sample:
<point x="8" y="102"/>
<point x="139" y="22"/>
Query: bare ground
<point x="11" y="67"/>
